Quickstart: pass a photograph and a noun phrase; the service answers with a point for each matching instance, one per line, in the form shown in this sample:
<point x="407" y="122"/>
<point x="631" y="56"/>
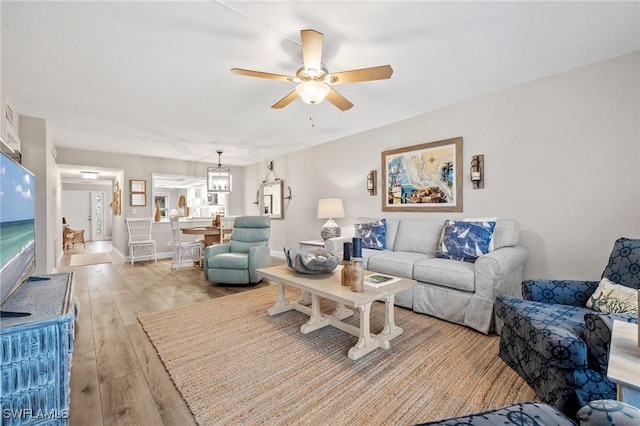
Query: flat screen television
<point x="17" y="227"/>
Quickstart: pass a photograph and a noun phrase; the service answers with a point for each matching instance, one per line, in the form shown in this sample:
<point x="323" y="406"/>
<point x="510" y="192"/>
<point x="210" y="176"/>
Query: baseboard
<point x="278" y="254"/>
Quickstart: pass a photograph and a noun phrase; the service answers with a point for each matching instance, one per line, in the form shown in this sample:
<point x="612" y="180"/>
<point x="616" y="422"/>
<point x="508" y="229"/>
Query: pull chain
<point x="311" y="117"/>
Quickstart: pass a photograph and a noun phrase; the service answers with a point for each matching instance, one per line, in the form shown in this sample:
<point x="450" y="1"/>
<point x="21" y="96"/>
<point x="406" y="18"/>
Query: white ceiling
<point x="152" y="78"/>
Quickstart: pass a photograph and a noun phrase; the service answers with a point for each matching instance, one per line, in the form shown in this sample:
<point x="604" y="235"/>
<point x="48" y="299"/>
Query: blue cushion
<point x="608" y="412"/>
<point x="465" y="240"/>
<point x="373" y="234"/>
<point x="624" y="263"/>
<point x="523" y="413"/>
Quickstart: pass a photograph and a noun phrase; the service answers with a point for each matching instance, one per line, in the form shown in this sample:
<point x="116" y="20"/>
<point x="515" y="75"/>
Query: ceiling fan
<point x="314" y="79"/>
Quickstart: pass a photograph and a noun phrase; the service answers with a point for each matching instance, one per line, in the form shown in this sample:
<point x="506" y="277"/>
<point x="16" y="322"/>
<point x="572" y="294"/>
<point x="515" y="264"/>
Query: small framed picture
<point x="138" y="199"/>
<point x="137" y="185"/>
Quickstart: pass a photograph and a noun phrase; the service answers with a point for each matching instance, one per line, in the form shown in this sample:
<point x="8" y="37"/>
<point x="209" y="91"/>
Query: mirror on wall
<point x="270" y="199"/>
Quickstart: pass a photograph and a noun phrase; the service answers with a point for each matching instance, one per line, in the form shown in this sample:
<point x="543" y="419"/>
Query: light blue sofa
<point x="456" y="291"/>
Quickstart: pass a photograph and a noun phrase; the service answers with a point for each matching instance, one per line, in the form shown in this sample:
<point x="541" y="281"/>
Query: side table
<point x="311" y="243"/>
<point x="624" y="362"/>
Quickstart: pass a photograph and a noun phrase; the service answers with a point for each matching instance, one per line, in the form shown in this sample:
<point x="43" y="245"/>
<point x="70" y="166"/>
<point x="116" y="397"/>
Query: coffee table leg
<point x="366" y="343"/>
<point x="305" y="298"/>
<point x="390" y="330"/>
<point x="316" y="320"/>
<point x="281" y="304"/>
<point x="342" y="312"/>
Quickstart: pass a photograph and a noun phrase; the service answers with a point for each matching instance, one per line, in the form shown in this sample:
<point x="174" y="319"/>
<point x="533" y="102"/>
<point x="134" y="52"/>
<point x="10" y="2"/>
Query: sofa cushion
<point x="373" y="234"/>
<point x="522" y="413"/>
<point x="229" y="261"/>
<point x="552" y="331"/>
<point x="446" y="272"/>
<point x="399" y="264"/>
<point x="466" y="241"/>
<point x="614" y="298"/>
<point x="418" y="236"/>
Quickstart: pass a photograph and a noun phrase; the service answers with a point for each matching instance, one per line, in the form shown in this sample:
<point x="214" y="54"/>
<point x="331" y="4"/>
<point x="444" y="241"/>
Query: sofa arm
<point x="215" y="249"/>
<point x="335" y="245"/>
<point x="597" y="336"/>
<point x="499" y="273"/>
<point x="259" y="257"/>
<point x="563" y="292"/>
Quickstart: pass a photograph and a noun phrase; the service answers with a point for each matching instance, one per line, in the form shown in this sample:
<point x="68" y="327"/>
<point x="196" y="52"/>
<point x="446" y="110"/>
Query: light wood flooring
<point x="117" y="377"/>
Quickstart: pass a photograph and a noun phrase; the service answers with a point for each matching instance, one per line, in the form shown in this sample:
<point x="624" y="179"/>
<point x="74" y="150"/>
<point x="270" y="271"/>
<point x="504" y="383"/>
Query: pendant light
<point x="219" y="178"/>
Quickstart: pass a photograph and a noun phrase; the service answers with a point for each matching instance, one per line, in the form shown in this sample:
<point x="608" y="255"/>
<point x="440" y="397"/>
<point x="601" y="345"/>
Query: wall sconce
<point x="477" y="171"/>
<point x="371" y="182"/>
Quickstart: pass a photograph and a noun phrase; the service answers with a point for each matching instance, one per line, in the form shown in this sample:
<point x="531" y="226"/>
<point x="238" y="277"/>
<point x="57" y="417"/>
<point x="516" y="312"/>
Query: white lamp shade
<point x="330" y="208"/>
<point x="312" y="92"/>
<point x="173" y="213"/>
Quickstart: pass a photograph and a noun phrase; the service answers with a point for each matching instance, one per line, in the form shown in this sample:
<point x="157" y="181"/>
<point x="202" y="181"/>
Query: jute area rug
<point x="89" y="259"/>
<point x="235" y="364"/>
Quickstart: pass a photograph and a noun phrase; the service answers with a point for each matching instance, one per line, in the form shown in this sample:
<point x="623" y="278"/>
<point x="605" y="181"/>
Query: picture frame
<point x="423" y="178"/>
<point x="138" y="199"/>
<point x="136" y="185"/>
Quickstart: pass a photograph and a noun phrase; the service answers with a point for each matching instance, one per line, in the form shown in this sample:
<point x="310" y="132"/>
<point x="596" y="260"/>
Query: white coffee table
<point x="329" y="287"/>
<point x="624" y="362"/>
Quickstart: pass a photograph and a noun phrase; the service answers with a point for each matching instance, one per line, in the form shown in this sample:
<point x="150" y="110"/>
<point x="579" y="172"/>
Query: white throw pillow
<point x="613" y="298"/>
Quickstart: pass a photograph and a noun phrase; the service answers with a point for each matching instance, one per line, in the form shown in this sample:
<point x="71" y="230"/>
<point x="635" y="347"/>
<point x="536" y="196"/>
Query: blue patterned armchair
<point x="558" y="345"/>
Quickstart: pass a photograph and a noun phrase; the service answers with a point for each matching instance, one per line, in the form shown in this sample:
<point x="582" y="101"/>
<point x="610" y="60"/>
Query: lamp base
<point x="330" y="230"/>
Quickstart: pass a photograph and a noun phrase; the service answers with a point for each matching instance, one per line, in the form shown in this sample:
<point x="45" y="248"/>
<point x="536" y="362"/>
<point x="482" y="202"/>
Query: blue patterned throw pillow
<point x="374" y="234"/>
<point x="465" y="240"/>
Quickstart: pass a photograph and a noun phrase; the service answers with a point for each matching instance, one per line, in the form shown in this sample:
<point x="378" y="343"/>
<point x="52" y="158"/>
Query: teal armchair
<point x="236" y="263"/>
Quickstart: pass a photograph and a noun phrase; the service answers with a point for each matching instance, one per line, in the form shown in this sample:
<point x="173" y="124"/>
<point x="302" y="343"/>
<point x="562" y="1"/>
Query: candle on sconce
<point x="475" y="176"/>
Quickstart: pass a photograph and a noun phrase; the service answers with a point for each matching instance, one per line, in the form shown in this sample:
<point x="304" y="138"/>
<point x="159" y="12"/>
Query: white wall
<point x="36" y="157"/>
<point x="561" y="156"/>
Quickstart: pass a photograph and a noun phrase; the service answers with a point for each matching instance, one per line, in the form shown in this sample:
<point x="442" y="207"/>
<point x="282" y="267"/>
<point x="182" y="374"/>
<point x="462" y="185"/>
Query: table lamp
<point x="330" y="208"/>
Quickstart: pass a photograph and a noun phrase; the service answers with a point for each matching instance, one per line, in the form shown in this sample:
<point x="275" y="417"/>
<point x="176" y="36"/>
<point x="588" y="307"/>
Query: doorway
<point x="86" y="210"/>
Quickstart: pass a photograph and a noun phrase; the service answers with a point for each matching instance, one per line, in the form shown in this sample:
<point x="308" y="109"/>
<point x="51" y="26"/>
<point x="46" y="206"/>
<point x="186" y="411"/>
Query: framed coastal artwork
<point x="423" y="178"/>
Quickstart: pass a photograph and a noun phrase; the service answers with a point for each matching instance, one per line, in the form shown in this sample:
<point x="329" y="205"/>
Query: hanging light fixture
<point x="312" y="91"/>
<point x="218" y="178"/>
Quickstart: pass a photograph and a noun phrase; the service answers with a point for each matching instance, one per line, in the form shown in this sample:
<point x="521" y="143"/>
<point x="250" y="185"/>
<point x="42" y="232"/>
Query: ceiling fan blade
<point x="311" y="49"/>
<point x="260" y="74"/>
<point x="338" y="100"/>
<point x="285" y="101"/>
<point x="365" y="74"/>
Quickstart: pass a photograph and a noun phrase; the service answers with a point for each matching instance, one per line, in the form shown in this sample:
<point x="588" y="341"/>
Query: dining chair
<point x="141" y="246"/>
<point x="184" y="250"/>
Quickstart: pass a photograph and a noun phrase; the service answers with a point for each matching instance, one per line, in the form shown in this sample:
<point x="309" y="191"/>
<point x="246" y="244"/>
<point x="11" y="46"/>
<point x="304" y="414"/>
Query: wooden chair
<point x="141" y="246"/>
<point x="72" y="236"/>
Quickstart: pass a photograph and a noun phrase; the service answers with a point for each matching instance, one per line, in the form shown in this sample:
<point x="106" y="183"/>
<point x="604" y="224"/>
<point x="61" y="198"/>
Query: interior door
<point x="76" y="208"/>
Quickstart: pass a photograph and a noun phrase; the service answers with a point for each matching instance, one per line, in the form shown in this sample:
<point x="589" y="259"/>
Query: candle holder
<point x="477" y="171"/>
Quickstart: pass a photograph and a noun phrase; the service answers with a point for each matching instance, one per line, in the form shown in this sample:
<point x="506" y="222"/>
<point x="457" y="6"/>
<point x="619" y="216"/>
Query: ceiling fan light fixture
<point x="312" y="92"/>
